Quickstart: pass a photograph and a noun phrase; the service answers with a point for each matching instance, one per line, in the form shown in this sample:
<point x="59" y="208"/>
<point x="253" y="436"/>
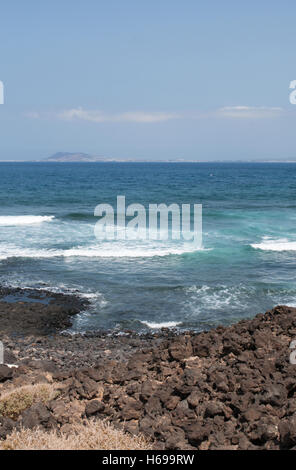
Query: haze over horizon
<point x="148" y="81"/>
<point x="82" y="157"/>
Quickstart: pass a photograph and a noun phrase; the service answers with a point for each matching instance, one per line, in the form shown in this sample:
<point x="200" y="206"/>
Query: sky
<point x="148" y="80"/>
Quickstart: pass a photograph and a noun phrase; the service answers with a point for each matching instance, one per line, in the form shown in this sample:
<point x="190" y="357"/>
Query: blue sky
<point x="166" y="79"/>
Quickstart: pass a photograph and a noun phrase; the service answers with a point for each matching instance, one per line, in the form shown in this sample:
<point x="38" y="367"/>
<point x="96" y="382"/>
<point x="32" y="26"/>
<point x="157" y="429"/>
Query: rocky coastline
<point x="228" y="388"/>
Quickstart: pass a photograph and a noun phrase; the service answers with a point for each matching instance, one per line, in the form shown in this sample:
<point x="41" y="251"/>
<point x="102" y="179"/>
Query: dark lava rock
<point x="48" y="313"/>
<point x="181" y="348"/>
<point x="228" y="388"/>
<point x="287" y="430"/>
<point x="6" y="426"/>
<point x="93" y="407"/>
<point x="5" y="372"/>
<point x="36" y="415"/>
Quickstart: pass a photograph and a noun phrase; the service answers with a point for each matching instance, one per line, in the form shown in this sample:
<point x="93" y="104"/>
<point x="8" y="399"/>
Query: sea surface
<point x="246" y="264"/>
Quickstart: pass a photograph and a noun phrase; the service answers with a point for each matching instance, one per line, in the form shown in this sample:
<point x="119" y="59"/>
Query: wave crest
<point x="168" y="324"/>
<point x="282" y="244"/>
<point x="12" y="220"/>
<point x="95" y="252"/>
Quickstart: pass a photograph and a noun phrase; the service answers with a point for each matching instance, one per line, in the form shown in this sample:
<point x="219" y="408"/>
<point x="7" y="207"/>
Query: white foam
<point x="282" y="244"/>
<point x="16" y="252"/>
<point x="132" y="251"/>
<point x="168" y="324"/>
<point x="215" y="297"/>
<point x="105" y="251"/>
<point x="12" y="220"/>
<point x="94" y="298"/>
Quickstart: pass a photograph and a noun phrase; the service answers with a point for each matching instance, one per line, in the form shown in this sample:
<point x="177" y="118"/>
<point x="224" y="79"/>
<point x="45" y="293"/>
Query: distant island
<point x="81" y="157"/>
<point x="85" y="157"/>
<point x="73" y="157"/>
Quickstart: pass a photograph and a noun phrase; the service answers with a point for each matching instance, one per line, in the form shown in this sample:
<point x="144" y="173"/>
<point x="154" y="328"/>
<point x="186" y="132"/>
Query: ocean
<point x="245" y="266"/>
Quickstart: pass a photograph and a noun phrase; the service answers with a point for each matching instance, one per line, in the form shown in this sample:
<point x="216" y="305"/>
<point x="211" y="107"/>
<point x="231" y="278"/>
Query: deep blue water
<point x="247" y="264"/>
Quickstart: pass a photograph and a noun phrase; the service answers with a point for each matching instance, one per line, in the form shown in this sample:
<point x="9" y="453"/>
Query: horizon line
<point x="149" y="161"/>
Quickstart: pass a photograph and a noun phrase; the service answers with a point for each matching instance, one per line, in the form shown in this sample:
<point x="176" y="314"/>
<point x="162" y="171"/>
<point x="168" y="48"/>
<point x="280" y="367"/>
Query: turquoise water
<point x="247" y="264"/>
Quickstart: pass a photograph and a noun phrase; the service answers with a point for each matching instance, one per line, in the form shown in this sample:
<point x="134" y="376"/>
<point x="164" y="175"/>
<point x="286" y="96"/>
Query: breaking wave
<point x="12" y="220"/>
<point x="105" y="251"/>
<point x="282" y="244"/>
<point x="168" y="324"/>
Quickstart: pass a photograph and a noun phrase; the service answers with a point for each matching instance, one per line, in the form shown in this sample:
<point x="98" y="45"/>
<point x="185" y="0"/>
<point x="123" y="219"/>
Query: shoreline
<point x="37" y="330"/>
<point x="227" y="388"/>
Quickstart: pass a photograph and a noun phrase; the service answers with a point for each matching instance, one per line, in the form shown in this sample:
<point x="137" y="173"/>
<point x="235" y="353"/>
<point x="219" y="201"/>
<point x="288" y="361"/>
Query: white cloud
<point x="249" y="112"/>
<point x="97" y="116"/>
<point x="100" y="116"/>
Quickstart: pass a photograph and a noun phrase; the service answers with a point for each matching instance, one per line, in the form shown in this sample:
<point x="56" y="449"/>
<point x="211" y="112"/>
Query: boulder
<point x="6" y="372"/>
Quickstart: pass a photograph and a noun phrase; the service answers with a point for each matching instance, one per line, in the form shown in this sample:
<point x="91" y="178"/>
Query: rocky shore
<point x="228" y="388"/>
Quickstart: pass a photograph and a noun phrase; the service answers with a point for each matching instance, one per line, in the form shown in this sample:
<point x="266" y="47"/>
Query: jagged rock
<point x="287" y="431"/>
<point x="181" y="348"/>
<point x="214" y="408"/>
<point x="93" y="407"/>
<point x="229" y="388"/>
<point x="9" y="357"/>
<point x="196" y="433"/>
<point x="130" y="408"/>
<point x="36" y="415"/>
<point x="6" y="372"/>
<point x="6" y="426"/>
<point x="275" y="394"/>
<point x="252" y="414"/>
